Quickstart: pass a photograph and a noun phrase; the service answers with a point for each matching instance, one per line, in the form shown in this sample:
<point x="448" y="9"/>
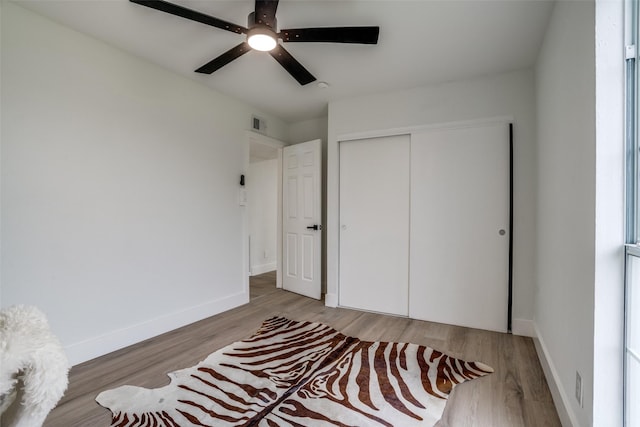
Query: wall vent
<point x="258" y="124"/>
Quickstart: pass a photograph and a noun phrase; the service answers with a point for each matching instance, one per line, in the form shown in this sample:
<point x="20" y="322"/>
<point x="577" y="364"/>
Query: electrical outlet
<point x="579" y="388"/>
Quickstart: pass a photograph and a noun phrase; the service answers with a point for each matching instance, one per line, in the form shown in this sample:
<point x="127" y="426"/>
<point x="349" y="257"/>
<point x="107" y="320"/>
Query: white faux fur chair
<point x="33" y="367"/>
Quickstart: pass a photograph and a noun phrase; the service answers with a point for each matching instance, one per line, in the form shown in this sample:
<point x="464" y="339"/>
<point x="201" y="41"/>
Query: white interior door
<point x="301" y="199"/>
<point x="374" y="224"/>
<point x="459" y="249"/>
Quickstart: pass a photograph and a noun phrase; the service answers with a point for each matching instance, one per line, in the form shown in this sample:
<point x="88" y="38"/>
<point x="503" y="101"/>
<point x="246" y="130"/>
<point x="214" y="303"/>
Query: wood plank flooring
<point x="515" y="395"/>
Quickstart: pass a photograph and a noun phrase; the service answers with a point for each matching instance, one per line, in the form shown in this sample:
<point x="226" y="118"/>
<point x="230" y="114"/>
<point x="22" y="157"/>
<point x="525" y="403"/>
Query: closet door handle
<point x="314" y="227"/>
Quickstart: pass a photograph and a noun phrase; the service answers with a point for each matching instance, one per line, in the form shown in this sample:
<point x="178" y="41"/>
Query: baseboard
<point x="523" y="328"/>
<point x="112" y="341"/>
<point x="565" y="413"/>
<point x="331" y="300"/>
<point x="264" y="268"/>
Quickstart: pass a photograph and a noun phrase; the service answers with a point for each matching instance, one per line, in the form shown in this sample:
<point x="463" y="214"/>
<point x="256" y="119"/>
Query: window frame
<point x="632" y="183"/>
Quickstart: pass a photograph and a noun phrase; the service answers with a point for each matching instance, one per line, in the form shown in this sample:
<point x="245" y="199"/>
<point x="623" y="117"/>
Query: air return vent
<point x="258" y="124"/>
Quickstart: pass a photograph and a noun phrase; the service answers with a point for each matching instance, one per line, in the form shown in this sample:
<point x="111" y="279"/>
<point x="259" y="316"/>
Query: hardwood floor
<point x="515" y="395"/>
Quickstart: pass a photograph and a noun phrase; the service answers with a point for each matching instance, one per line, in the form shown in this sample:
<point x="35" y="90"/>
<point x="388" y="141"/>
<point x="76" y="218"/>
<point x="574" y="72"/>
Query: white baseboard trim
<point x="331" y="300"/>
<point x="523" y="328"/>
<point x="263" y="268"/>
<point x="112" y="341"/>
<point x="565" y="412"/>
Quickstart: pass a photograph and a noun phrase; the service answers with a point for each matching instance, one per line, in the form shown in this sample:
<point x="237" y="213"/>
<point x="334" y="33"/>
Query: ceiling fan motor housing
<point x="253" y="23"/>
<point x="261" y="36"/>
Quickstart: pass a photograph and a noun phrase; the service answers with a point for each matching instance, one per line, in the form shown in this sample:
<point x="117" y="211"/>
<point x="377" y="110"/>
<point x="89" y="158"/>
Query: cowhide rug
<point x="300" y="374"/>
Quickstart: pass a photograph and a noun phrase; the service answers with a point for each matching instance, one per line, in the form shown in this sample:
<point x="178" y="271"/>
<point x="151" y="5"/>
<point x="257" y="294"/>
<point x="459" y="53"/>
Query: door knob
<point x="502" y="232"/>
<point x="314" y="227"/>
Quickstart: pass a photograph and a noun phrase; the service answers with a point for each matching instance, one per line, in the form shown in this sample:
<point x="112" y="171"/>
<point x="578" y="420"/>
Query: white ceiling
<point x="421" y="42"/>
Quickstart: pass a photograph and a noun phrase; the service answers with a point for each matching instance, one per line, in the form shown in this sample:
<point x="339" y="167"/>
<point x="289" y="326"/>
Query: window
<point x="632" y="283"/>
<point x="632" y="347"/>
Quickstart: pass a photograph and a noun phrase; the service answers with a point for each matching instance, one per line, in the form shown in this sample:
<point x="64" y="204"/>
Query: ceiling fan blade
<point x="359" y="35"/>
<point x="193" y="15"/>
<point x="266" y="12"/>
<point x="292" y="66"/>
<point x="224" y="59"/>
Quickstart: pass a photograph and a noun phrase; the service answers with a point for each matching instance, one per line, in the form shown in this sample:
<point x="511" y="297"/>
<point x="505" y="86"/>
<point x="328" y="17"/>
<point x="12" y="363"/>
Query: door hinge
<point x="630" y="51"/>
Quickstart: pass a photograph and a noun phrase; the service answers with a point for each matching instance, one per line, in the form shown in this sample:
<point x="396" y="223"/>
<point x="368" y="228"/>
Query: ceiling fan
<point x="262" y="34"/>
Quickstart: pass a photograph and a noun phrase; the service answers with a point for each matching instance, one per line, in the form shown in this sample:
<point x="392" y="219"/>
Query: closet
<point x="425" y="225"/>
<point x="374" y="224"/>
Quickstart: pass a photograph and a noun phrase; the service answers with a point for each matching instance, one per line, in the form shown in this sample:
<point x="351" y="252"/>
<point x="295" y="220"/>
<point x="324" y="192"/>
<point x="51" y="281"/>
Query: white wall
<point x="119" y="189"/>
<point x="580" y="186"/>
<point x="1" y="134"/>
<point x="308" y="130"/>
<point x="566" y="199"/>
<point x="509" y="94"/>
<point x="262" y="193"/>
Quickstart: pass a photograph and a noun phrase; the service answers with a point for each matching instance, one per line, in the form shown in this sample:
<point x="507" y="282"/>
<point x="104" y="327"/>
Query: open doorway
<point x="264" y="195"/>
<point x="262" y="285"/>
<point x="264" y="222"/>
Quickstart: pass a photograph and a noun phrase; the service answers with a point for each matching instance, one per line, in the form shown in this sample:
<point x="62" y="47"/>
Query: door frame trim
<point x="418" y="128"/>
<point x="333" y="191"/>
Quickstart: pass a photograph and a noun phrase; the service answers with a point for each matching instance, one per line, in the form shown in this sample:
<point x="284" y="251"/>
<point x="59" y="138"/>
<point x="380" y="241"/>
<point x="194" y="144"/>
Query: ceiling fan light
<point x="262" y="39"/>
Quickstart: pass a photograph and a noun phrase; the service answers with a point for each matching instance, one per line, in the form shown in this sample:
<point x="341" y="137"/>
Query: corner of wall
<point x="523" y="328"/>
<point x="263" y="268"/>
<point x="561" y="401"/>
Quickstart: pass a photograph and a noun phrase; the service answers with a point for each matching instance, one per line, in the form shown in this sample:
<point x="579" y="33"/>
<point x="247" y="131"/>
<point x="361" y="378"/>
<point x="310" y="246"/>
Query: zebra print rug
<point x="300" y="374"/>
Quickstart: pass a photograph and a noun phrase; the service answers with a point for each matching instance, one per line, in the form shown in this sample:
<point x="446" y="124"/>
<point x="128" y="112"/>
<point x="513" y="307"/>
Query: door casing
<point x="256" y="138"/>
<point x="333" y="206"/>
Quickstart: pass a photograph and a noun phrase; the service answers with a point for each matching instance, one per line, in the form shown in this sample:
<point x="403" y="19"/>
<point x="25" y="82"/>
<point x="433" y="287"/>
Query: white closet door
<point x="374" y="224"/>
<point x="459" y="226"/>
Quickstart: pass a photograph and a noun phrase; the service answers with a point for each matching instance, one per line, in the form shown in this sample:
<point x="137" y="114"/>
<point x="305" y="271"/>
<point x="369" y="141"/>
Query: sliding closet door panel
<point x="374" y="224"/>
<point x="459" y="226"/>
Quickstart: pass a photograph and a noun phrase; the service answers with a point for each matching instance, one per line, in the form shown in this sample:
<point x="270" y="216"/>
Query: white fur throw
<point x="33" y="367"/>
